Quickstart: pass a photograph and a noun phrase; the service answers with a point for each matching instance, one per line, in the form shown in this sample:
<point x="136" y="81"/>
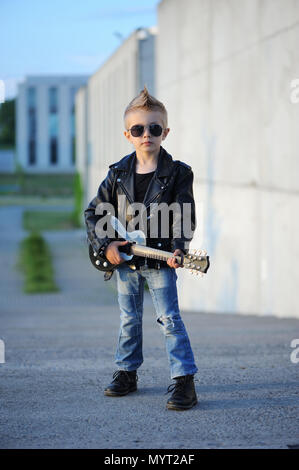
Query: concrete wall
<point x="226" y="83"/>
<point x="81" y="137"/>
<point x="109" y="91"/>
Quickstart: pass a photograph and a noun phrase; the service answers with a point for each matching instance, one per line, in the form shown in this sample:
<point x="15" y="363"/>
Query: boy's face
<point x="146" y="143"/>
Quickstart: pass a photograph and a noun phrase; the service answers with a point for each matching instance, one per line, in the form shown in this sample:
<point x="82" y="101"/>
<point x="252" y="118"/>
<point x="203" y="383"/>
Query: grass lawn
<point x="45" y="185"/>
<point x="48" y="220"/>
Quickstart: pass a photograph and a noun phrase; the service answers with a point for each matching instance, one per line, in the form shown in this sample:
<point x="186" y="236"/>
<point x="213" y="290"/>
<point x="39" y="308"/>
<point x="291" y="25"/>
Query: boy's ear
<point x="127" y="135"/>
<point x="165" y="133"/>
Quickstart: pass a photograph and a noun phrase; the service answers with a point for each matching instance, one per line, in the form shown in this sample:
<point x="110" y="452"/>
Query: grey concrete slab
<point x="59" y="353"/>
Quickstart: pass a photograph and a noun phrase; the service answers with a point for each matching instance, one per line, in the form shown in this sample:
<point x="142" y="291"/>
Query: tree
<point x="7" y="124"/>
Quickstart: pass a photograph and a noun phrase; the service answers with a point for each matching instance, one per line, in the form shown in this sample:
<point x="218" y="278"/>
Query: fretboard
<point x="148" y="252"/>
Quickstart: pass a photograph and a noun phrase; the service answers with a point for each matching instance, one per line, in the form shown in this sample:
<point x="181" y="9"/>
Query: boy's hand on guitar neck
<point x="112" y="254"/>
<point x="172" y="261"/>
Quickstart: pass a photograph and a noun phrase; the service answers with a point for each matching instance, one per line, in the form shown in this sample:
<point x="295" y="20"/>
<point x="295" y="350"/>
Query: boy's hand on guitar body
<point x="112" y="254"/>
<point x="172" y="261"/>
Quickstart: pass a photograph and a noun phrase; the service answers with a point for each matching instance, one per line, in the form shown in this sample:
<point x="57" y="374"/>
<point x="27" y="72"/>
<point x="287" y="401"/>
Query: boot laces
<point x="178" y="385"/>
<point x="122" y="376"/>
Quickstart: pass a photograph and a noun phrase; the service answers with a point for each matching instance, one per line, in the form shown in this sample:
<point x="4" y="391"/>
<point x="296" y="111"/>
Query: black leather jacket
<point x="172" y="182"/>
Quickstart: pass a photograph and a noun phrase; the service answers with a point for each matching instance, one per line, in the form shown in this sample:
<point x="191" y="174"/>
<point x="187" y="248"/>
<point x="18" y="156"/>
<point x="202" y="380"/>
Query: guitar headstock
<point x="197" y="262"/>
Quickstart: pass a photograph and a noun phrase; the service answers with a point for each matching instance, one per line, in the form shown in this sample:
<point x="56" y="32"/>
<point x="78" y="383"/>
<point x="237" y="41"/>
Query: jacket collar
<point x="164" y="167"/>
<point x="126" y="178"/>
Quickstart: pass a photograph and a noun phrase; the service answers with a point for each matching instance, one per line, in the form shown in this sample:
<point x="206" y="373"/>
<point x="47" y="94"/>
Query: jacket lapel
<point x="125" y="179"/>
<point x="128" y="178"/>
<point x="157" y="183"/>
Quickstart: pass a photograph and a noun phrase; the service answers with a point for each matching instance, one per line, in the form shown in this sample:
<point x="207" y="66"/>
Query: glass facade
<point x="31" y="109"/>
<point x="48" y="107"/>
<point x="53" y="100"/>
<point x="53" y="125"/>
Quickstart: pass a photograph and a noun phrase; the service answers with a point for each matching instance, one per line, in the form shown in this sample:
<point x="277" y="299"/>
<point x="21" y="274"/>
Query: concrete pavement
<point x="60" y="356"/>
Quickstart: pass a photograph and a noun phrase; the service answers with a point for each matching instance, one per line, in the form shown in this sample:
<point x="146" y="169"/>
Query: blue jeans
<point x="162" y="286"/>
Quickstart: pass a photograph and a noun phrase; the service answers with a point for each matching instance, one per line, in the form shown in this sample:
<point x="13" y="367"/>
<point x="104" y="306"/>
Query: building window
<point x="53" y="151"/>
<point x="32" y="152"/>
<point x="53" y="125"/>
<point x="53" y="100"/>
<point x="31" y="113"/>
<point x="73" y="91"/>
<point x="73" y="150"/>
<point x="31" y="97"/>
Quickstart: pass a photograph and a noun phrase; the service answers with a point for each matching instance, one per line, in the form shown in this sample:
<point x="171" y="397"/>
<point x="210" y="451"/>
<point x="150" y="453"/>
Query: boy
<point x="148" y="175"/>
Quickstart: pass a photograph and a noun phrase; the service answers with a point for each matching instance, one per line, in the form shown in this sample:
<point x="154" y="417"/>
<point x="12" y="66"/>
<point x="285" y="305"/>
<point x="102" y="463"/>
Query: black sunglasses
<point x="137" y="130"/>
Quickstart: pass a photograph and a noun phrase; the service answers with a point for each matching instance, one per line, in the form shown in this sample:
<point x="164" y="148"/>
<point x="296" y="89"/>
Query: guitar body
<point x="101" y="263"/>
<point x="137" y="236"/>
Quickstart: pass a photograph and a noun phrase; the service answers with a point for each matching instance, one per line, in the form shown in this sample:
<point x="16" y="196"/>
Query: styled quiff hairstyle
<point x="146" y="102"/>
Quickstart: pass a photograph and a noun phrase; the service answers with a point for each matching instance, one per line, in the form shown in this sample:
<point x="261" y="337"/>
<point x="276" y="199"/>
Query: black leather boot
<point x="123" y="383"/>
<point x="184" y="395"/>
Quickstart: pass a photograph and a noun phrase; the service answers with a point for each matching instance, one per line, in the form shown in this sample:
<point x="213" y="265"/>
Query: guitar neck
<point x="148" y="252"/>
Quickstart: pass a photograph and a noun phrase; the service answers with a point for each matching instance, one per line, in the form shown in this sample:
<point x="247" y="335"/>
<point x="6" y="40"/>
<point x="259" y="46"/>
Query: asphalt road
<point x="59" y="356"/>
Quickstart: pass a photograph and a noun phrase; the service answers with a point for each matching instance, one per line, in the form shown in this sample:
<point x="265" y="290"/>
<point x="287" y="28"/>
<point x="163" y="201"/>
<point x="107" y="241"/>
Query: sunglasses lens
<point x="137" y="131"/>
<point x="156" y="130"/>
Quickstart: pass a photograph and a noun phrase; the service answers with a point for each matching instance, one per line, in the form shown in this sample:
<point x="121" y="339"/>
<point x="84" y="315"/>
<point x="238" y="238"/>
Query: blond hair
<point x="146" y="102"/>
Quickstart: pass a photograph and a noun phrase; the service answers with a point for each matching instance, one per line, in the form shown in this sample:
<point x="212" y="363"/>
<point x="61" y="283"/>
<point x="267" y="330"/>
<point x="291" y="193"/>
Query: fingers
<point x="112" y="254"/>
<point x="172" y="261"/>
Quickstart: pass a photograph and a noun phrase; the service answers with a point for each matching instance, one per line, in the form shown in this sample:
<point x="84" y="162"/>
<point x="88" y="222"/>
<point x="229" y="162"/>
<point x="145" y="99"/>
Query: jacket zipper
<point x="126" y="193"/>
<point x="153" y="198"/>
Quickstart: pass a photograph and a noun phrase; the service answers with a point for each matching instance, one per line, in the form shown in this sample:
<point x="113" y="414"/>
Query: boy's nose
<point x="146" y="132"/>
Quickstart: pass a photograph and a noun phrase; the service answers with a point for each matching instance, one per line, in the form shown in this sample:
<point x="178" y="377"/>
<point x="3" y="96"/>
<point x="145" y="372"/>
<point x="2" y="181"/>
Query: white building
<point x="101" y="104"/>
<point x="45" y="127"/>
<point x="224" y="71"/>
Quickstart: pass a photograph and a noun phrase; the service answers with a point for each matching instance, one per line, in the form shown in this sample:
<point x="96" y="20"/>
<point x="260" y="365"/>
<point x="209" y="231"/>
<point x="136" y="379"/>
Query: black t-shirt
<point x="142" y="180"/>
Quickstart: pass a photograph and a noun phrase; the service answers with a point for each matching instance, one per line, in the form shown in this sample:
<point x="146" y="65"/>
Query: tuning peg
<point x="203" y="252"/>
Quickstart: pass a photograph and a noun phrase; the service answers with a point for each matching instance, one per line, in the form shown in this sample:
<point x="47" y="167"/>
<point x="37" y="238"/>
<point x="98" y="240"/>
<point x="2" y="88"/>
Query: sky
<point x="40" y="37"/>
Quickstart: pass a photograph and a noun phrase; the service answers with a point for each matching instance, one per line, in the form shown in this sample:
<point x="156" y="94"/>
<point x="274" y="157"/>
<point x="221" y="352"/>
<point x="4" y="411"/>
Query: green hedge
<point x="36" y="264"/>
<point x="78" y="201"/>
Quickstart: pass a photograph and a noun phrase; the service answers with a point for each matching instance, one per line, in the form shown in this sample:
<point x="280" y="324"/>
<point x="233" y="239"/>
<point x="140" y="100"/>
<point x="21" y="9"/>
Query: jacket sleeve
<point x="184" y="221"/>
<point x="104" y="194"/>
